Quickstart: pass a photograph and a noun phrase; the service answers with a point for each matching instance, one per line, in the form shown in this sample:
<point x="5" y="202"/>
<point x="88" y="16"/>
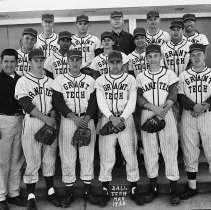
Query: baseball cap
<point x="82" y="18"/>
<point x="189" y="17"/>
<point x="65" y="34"/>
<point x="36" y="53"/>
<point x="177" y="23"/>
<point x="48" y="17"/>
<point x="152" y="13"/>
<point x="30" y="31"/>
<point x="74" y="53"/>
<point x="116" y="14"/>
<point x="197" y="46"/>
<point x="107" y="34"/>
<point x="139" y="31"/>
<point x="115" y="55"/>
<point x="153" y="48"/>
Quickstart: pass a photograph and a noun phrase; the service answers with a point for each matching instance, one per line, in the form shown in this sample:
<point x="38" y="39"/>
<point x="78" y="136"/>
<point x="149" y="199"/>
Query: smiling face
<point x="153" y="22"/>
<point x="189" y="25"/>
<point x="9" y="64"/>
<point x="28" y="41"/>
<point x="140" y="41"/>
<point x="176" y="33"/>
<point x="37" y="64"/>
<point x="107" y="43"/>
<point x="197" y="58"/>
<point x="82" y="27"/>
<point x="64" y="44"/>
<point x="47" y="26"/>
<point x="153" y="59"/>
<point x="74" y="63"/>
<point x="117" y="22"/>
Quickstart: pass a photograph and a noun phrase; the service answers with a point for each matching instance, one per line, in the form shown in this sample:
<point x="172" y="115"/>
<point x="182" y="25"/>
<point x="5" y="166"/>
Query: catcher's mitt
<point x="46" y="135"/>
<point x="82" y="137"/>
<point x="153" y="125"/>
<point x="109" y="128"/>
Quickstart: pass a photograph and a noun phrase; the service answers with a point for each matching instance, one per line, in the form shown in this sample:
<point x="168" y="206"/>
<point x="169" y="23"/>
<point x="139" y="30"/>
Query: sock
<point x="51" y="191"/>
<point x="69" y="188"/>
<point x="133" y="186"/>
<point x="192" y="180"/>
<point x="31" y="188"/>
<point x="87" y="184"/>
<point x="49" y="182"/>
<point x="173" y="186"/>
<point x="105" y="185"/>
<point x="30" y="196"/>
<point x="153" y="183"/>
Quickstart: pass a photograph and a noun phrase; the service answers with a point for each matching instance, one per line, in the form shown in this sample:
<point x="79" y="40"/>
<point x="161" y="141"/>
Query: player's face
<point x="9" y="64"/>
<point x="189" y="25"/>
<point x="74" y="64"/>
<point x="37" y="64"/>
<point x="82" y="27"/>
<point x="47" y="25"/>
<point x="107" y="43"/>
<point x="198" y="58"/>
<point x="115" y="66"/>
<point x="176" y="33"/>
<point x="140" y="41"/>
<point x="28" y="41"/>
<point x="117" y="22"/>
<point x="64" y="44"/>
<point x="153" y="22"/>
<point x="153" y="59"/>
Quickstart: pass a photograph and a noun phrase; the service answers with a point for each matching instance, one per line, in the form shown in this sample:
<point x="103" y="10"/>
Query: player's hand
<point x="205" y="105"/>
<point x="116" y="121"/>
<point x="160" y="111"/>
<point x="80" y="122"/>
<point x="50" y="121"/>
<point x="199" y="108"/>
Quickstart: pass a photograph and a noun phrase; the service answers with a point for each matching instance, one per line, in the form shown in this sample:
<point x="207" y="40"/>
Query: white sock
<point x="192" y="183"/>
<point x="51" y="191"/>
<point x="31" y="195"/>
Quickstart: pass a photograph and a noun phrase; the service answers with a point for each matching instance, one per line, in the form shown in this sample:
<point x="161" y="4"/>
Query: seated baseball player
<point x="157" y="91"/>
<point x="195" y="98"/>
<point x="74" y="97"/>
<point x="116" y="97"/>
<point x="34" y="94"/>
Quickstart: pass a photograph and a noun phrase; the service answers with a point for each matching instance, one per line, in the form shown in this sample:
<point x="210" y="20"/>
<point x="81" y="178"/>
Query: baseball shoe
<point x="67" y="200"/>
<point x="3" y="205"/>
<point x="189" y="192"/>
<point x="174" y="198"/>
<point x="105" y="197"/>
<point x="54" y="199"/>
<point x="136" y="197"/>
<point x="18" y="201"/>
<point x="150" y="195"/>
<point x="91" y="197"/>
<point x="31" y="204"/>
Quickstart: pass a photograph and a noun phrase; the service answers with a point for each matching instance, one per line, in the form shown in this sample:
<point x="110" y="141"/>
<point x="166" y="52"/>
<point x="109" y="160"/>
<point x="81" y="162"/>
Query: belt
<point x="117" y="114"/>
<point x="15" y="114"/>
<point x="80" y="114"/>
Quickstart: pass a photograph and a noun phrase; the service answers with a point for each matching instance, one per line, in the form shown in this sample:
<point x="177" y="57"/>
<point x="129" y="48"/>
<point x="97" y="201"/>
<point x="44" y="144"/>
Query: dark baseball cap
<point x="65" y="34"/>
<point x="153" y="48"/>
<point x="139" y="31"/>
<point x="82" y="18"/>
<point x="115" y="55"/>
<point x="189" y="17"/>
<point x="30" y="31"/>
<point x="197" y="46"/>
<point x="36" y="53"/>
<point x="177" y="23"/>
<point x="107" y="34"/>
<point x="116" y="14"/>
<point x="74" y="53"/>
<point x="48" y="17"/>
<point x="152" y="13"/>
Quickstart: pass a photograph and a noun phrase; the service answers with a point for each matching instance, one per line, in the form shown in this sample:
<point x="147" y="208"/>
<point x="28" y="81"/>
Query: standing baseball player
<point x="157" y="88"/>
<point x="74" y="97"/>
<point x="28" y="40"/>
<point x="195" y="97"/>
<point x="154" y="34"/>
<point x="176" y="52"/>
<point x="34" y="93"/>
<point x="116" y="97"/>
<point x="84" y="41"/>
<point x="47" y="40"/>
<point x="57" y="62"/>
<point x="190" y="32"/>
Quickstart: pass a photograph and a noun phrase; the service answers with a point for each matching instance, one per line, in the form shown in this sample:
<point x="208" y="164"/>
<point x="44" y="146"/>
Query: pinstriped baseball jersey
<point x="87" y="45"/>
<point x="176" y="57"/>
<point x="23" y="63"/>
<point x="198" y="38"/>
<point x="159" y="38"/>
<point x="195" y="85"/>
<point x="155" y="85"/>
<point x="49" y="45"/>
<point x="57" y="64"/>
<point x="76" y="90"/>
<point x="100" y="63"/>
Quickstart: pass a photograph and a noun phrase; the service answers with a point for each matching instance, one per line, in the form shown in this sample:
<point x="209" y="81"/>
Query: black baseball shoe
<point x="67" y="200"/>
<point x="54" y="199"/>
<point x="3" y="205"/>
<point x="137" y="197"/>
<point x="174" y="198"/>
<point x="151" y="194"/>
<point x="188" y="193"/>
<point x="105" y="197"/>
<point x="91" y="197"/>
<point x="18" y="201"/>
<point x="31" y="204"/>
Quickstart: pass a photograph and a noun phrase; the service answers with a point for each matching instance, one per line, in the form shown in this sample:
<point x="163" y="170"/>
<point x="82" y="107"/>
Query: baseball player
<point x="154" y="34"/>
<point x="176" y="52"/>
<point x="47" y="40"/>
<point x="34" y="93"/>
<point x="57" y="62"/>
<point x="190" y="33"/>
<point x="100" y="62"/>
<point x="195" y="97"/>
<point x="28" y="40"/>
<point x="84" y="41"/>
<point x="157" y="93"/>
<point x="74" y="97"/>
<point x="116" y="97"/>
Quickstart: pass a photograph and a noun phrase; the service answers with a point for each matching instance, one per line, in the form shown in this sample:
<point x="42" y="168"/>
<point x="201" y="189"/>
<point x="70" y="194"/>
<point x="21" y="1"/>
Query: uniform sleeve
<point x="173" y="92"/>
<point x="56" y="85"/>
<point x="20" y="89"/>
<point x="92" y="105"/>
<point x="48" y="65"/>
<point x="167" y="37"/>
<point x="94" y="65"/>
<point x="172" y="77"/>
<point x="204" y="40"/>
<point x="97" y="43"/>
<point x="125" y="58"/>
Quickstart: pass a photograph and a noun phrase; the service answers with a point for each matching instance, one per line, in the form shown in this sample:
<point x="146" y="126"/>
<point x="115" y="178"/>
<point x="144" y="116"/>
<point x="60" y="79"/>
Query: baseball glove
<point x="109" y="128"/>
<point x="82" y="137"/>
<point x="153" y="125"/>
<point x="46" y="135"/>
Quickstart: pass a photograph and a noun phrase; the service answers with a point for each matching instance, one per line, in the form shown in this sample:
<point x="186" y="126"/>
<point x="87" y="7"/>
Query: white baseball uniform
<point x="87" y="45"/>
<point x="57" y="64"/>
<point x="23" y="63"/>
<point x="159" y="38"/>
<point x="116" y="94"/>
<point x="49" y="45"/>
<point x="196" y="86"/>
<point x="100" y="63"/>
<point x="36" y="154"/>
<point x="155" y="87"/>
<point x="198" y="38"/>
<point x="76" y="93"/>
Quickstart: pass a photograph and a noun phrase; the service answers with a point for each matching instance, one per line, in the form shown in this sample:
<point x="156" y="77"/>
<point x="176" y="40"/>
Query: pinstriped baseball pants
<point x="11" y="155"/>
